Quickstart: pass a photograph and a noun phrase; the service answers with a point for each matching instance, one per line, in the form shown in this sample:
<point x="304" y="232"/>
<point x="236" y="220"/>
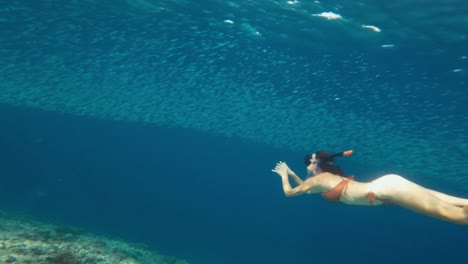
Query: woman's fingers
<point x="280" y="166"/>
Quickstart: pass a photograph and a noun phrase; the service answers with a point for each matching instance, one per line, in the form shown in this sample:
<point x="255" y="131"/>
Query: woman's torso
<point x="354" y="192"/>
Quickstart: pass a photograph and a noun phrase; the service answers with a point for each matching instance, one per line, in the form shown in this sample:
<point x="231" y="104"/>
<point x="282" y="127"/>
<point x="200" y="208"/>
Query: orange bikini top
<point x="334" y="194"/>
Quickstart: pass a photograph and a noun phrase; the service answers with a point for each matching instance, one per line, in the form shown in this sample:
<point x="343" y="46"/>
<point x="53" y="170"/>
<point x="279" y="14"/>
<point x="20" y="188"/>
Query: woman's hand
<point x="281" y="168"/>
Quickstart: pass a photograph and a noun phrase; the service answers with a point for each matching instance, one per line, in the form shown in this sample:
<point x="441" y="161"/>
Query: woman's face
<point x="313" y="168"/>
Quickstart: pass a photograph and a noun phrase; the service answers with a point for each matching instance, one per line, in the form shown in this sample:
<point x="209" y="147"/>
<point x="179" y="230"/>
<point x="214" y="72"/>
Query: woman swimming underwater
<point x="329" y="179"/>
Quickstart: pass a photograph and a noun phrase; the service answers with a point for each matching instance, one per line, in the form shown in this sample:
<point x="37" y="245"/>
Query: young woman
<point x="328" y="179"/>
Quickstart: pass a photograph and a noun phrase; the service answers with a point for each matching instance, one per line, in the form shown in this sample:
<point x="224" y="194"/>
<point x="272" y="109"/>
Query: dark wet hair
<point x="325" y="162"/>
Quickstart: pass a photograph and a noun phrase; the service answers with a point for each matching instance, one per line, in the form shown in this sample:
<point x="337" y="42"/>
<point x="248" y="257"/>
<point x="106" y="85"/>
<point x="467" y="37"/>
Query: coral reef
<point x="28" y="241"/>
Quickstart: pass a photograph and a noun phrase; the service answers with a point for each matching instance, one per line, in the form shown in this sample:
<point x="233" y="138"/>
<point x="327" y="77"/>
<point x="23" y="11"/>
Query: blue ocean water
<point x="160" y="122"/>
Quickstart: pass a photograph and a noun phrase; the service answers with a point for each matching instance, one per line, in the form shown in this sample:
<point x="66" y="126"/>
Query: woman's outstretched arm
<point x="282" y="170"/>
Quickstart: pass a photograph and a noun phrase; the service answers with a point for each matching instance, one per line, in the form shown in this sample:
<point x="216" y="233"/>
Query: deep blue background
<point x="206" y="197"/>
<point x="203" y="197"/>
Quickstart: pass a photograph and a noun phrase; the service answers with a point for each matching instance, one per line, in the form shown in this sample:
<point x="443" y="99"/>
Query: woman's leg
<point x="460" y="202"/>
<point x="419" y="199"/>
